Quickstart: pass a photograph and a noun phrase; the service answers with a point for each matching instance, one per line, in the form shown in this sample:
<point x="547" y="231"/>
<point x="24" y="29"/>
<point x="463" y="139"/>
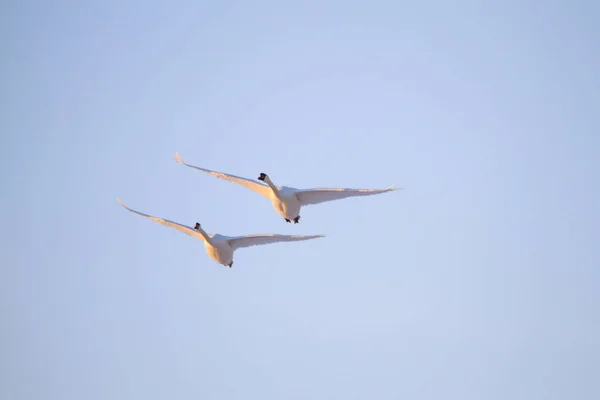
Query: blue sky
<point x="479" y="281"/>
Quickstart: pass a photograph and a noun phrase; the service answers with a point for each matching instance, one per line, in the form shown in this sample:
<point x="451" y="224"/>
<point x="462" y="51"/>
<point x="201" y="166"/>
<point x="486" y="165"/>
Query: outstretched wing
<point x="258" y="240"/>
<point x="181" y="228"/>
<point x="259" y="188"/>
<point x="316" y="196"/>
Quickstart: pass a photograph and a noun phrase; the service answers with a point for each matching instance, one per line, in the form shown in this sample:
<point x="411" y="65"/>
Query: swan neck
<point x="204" y="235"/>
<point x="272" y="186"/>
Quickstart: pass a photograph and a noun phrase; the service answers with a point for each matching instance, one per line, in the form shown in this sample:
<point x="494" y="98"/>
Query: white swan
<point x="218" y="247"/>
<point x="287" y="201"/>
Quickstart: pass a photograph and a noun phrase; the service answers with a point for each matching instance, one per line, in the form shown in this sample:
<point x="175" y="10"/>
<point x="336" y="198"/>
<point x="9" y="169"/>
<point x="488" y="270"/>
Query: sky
<point x="479" y="280"/>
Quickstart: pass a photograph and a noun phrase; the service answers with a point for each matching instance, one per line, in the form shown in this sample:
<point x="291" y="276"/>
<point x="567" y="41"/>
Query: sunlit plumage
<point x="287" y="201"/>
<point x="219" y="247"/>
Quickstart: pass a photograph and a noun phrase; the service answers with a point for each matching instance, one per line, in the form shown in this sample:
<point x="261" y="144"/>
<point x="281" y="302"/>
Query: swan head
<point x="262" y="176"/>
<point x="197" y="226"/>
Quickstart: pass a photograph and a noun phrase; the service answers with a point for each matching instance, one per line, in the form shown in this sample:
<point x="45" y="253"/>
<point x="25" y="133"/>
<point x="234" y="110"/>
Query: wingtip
<point x="393" y="187"/>
<point x="120" y="202"/>
<point x="177" y="158"/>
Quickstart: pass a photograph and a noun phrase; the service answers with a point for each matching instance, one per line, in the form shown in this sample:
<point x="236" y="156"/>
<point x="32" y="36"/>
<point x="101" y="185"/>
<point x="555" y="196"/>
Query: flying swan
<point x="286" y="200"/>
<point x="218" y="247"/>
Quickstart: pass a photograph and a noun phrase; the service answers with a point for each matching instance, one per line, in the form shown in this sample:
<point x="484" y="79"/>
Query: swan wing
<point x="316" y="196"/>
<point x="258" y="240"/>
<point x="259" y="188"/>
<point x="181" y="228"/>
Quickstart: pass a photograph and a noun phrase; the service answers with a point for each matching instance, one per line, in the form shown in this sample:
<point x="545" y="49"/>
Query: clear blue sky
<point x="479" y="281"/>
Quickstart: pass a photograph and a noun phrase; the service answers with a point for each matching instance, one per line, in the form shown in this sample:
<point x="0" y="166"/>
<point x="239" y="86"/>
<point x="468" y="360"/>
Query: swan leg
<point x="287" y="220"/>
<point x="297" y="219"/>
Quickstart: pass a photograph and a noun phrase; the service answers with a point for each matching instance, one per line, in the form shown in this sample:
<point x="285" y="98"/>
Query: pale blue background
<point x="479" y="281"/>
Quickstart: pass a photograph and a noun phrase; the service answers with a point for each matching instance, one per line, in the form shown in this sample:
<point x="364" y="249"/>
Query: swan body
<point x="220" y="248"/>
<point x="288" y="201"/>
<point x="285" y="202"/>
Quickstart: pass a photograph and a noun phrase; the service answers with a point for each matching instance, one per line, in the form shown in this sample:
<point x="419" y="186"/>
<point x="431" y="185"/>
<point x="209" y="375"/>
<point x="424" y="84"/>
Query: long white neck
<point x="204" y="235"/>
<point x="272" y="186"/>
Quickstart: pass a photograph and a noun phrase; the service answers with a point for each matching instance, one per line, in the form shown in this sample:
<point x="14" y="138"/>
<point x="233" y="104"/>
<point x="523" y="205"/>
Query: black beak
<point x="262" y="177"/>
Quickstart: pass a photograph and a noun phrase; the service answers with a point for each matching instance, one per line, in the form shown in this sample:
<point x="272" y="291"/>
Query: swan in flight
<point x="287" y="201"/>
<point x="218" y="247"/>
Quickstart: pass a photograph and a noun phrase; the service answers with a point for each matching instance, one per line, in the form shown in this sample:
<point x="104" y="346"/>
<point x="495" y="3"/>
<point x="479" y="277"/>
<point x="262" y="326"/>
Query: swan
<point x="219" y="247"/>
<point x="287" y="201"/>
